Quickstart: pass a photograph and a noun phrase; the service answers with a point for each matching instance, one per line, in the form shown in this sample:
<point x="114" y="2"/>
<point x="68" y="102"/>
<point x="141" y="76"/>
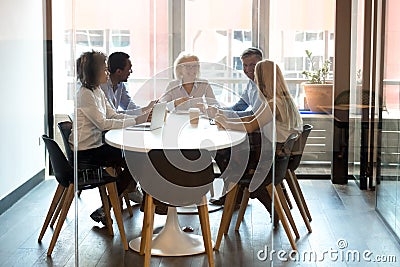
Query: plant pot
<point x="319" y="96"/>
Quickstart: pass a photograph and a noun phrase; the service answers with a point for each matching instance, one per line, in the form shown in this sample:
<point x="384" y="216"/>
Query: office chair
<point x="274" y="189"/>
<point x="89" y="177"/>
<point x="199" y="179"/>
<point x="291" y="178"/>
<point x="65" y="128"/>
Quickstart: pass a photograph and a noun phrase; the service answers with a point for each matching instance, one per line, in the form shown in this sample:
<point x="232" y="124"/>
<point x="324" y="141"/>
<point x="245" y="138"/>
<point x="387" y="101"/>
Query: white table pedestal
<point x="172" y="241"/>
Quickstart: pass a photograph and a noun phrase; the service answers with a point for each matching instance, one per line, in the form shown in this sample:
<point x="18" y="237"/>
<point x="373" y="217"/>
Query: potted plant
<point x="317" y="89"/>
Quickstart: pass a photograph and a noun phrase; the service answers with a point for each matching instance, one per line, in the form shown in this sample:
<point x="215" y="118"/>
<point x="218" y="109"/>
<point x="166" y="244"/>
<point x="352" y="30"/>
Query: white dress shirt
<point x="93" y="116"/>
<point x="201" y="89"/>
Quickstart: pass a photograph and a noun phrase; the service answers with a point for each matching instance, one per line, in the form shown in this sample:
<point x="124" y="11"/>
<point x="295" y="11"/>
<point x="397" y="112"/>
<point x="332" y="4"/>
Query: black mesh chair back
<point x="65" y="128"/>
<point x="161" y="161"/>
<point x="63" y="171"/>
<point x="282" y="157"/>
<point x="189" y="168"/>
<point x="89" y="176"/>
<point x="298" y="148"/>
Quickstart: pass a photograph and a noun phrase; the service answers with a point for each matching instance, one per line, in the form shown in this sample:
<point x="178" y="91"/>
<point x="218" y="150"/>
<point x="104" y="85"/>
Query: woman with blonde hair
<point x="287" y="117"/>
<point x="187" y="89"/>
<point x="275" y="99"/>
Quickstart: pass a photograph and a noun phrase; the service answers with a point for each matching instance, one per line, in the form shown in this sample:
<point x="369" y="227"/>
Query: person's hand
<point x="212" y="111"/>
<point x="143" y="117"/>
<point x="221" y="121"/>
<point x="201" y="107"/>
<point x="181" y="100"/>
<point x="150" y="105"/>
<point x="149" y="114"/>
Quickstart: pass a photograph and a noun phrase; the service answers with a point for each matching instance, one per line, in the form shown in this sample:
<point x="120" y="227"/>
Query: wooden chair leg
<point x="286" y="194"/>
<point x="243" y="206"/>
<point x="286" y="208"/>
<point x="64" y="211"/>
<point x="230" y="203"/>
<point x="279" y="209"/>
<point x="127" y="203"/>
<point x="205" y="229"/>
<point x="227" y="213"/>
<point x="106" y="209"/>
<point x="303" y="201"/>
<point x="147" y="229"/>
<point x="146" y="221"/>
<point x="54" y="204"/>
<point x="113" y="195"/>
<point x="145" y="225"/>
<point x="58" y="210"/>
<point x="297" y="198"/>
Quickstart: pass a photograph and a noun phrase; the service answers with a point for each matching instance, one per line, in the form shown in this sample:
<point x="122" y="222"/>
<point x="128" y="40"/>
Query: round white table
<point x="177" y="133"/>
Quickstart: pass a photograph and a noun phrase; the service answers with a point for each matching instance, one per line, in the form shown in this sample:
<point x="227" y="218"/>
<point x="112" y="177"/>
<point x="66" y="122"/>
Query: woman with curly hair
<point x="94" y="116"/>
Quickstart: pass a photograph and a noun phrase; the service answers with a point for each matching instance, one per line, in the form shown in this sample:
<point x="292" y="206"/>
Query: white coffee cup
<point x="194" y="114"/>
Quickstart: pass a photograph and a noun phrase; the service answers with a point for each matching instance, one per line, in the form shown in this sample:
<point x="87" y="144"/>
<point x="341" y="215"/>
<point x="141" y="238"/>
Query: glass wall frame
<point x="387" y="188"/>
<point x="259" y="33"/>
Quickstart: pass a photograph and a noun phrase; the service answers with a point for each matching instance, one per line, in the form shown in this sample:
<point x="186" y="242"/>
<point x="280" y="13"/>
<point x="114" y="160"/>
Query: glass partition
<point x="356" y="92"/>
<point x="154" y="32"/>
<point x="388" y="190"/>
<point x="220" y="37"/>
<point x="295" y="28"/>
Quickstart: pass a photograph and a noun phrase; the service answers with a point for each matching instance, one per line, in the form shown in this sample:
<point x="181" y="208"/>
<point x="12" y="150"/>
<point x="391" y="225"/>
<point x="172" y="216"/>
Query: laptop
<point x="157" y="119"/>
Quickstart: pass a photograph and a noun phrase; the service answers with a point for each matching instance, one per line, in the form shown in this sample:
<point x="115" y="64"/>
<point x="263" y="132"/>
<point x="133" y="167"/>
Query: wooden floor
<point x="342" y="216"/>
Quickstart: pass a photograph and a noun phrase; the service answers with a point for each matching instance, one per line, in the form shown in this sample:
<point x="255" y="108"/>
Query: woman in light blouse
<point x="287" y="116"/>
<point x="287" y="121"/>
<point x="94" y="116"/>
<point x="187" y="90"/>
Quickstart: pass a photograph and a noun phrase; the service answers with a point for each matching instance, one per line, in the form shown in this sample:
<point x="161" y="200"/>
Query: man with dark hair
<point x="120" y="67"/>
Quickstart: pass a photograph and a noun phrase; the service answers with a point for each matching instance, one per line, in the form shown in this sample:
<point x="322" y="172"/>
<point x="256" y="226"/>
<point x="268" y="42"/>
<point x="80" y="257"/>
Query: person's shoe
<point x="136" y="196"/>
<point x="221" y="201"/>
<point x="218" y="202"/>
<point x="188" y="229"/>
<point x="161" y="209"/>
<point x="99" y="216"/>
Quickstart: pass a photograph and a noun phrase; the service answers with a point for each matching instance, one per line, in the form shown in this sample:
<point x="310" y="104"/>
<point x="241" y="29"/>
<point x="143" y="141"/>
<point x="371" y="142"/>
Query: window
<point x="120" y="38"/>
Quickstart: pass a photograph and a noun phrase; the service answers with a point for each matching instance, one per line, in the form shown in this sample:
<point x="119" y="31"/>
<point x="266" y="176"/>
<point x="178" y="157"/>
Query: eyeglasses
<point x="191" y="66"/>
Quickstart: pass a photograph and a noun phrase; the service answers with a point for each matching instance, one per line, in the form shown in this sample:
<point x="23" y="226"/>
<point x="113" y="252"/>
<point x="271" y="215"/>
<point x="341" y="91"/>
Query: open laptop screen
<point x="157" y="119"/>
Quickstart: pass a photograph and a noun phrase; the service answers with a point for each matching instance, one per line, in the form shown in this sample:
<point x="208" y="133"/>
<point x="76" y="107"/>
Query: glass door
<point x="354" y="95"/>
<point x="295" y="28"/>
<point x="388" y="189"/>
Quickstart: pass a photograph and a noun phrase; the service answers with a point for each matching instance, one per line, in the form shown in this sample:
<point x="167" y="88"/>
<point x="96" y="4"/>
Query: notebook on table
<point x="157" y="119"/>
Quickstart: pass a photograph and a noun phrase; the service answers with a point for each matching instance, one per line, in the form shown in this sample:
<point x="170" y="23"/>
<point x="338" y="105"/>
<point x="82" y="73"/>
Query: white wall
<point x="21" y="92"/>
